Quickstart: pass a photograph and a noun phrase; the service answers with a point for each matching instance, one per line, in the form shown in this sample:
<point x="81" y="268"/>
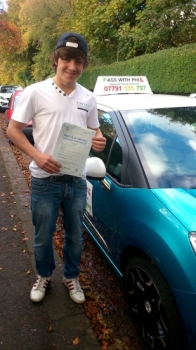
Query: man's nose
<point x="72" y="65"/>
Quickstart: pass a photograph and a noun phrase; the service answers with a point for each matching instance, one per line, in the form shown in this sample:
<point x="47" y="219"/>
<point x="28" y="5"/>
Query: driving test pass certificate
<point x="72" y="148"/>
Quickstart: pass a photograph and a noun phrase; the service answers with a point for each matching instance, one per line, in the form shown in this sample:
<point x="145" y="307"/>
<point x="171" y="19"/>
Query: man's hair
<point x="67" y="52"/>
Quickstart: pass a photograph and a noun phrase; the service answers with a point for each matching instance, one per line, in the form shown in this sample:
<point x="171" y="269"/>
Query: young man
<point x="49" y="104"/>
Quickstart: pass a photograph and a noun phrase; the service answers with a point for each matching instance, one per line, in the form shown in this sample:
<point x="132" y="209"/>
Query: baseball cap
<point x="80" y="44"/>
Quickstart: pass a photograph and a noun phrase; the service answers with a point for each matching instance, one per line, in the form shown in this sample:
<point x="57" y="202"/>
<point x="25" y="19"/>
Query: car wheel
<point x="153" y="306"/>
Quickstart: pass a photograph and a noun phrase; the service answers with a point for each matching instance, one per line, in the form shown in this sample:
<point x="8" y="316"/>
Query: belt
<point x="60" y="178"/>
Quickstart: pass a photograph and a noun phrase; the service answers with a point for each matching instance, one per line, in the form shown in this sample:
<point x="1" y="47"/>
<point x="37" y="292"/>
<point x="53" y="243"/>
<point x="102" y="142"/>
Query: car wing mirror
<point x="95" y="168"/>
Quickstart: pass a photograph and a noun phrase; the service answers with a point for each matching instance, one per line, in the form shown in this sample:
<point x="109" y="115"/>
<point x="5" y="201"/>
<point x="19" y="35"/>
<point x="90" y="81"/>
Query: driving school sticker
<point x="122" y="84"/>
<point x="89" y="208"/>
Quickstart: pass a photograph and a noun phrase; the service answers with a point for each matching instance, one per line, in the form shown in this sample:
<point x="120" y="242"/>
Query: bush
<point x="168" y="71"/>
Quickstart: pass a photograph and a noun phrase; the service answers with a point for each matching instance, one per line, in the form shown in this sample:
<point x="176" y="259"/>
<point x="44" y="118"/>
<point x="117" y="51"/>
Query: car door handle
<point x="105" y="184"/>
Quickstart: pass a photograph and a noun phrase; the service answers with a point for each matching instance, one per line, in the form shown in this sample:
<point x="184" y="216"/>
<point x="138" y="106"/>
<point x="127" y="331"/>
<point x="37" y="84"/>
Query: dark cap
<point x="80" y="44"/>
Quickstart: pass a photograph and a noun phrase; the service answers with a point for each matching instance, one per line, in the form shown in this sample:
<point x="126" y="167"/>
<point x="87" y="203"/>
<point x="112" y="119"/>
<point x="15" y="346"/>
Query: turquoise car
<point x="142" y="213"/>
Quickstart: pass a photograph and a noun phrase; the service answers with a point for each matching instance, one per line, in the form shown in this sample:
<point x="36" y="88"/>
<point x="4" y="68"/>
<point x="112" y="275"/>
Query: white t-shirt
<point x="49" y="109"/>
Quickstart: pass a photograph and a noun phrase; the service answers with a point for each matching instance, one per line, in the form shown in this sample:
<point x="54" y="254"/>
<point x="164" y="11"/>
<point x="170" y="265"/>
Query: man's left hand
<point x="98" y="143"/>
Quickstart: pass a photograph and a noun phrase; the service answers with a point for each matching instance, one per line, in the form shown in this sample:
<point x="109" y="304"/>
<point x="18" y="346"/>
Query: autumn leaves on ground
<point x="105" y="304"/>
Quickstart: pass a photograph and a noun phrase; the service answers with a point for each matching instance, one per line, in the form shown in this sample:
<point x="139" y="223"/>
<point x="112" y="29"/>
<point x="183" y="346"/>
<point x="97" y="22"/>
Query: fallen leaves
<point x="50" y="329"/>
<point x="105" y="303"/>
<point x="76" y="341"/>
<point x="25" y="239"/>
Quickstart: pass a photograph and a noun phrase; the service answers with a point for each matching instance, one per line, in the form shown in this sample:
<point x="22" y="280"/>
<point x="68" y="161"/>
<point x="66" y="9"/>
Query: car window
<point x="112" y="154"/>
<point x="16" y="100"/>
<point x="3" y="90"/>
<point x="115" y="160"/>
<point x="8" y="89"/>
<point x="165" y="140"/>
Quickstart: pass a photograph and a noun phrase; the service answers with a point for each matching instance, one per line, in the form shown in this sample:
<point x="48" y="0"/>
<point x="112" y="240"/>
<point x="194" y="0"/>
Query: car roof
<point x="144" y="101"/>
<point x="9" y="85"/>
<point x="134" y="92"/>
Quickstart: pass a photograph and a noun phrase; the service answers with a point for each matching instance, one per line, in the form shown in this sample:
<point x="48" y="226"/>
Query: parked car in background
<point x="5" y="94"/>
<point x="142" y="214"/>
<point x="14" y="99"/>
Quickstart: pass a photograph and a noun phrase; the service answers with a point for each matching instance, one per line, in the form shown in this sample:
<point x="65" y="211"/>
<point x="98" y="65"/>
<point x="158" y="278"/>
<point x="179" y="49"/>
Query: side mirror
<point x="95" y="168"/>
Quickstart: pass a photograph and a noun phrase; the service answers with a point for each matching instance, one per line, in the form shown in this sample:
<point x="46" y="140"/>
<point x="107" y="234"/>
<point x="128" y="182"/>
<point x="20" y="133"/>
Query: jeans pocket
<point x="81" y="183"/>
<point x="39" y="185"/>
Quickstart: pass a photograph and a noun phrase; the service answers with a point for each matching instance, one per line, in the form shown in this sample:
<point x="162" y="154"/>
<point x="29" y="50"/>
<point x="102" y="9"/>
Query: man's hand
<point x="47" y="163"/>
<point x="98" y="143"/>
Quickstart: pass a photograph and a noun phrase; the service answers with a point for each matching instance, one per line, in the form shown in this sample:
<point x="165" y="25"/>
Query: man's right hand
<point x="47" y="163"/>
<point x="44" y="161"/>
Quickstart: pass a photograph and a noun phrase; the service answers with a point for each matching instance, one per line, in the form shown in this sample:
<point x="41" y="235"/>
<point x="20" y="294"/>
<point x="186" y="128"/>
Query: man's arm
<point x="98" y="141"/>
<point x="43" y="161"/>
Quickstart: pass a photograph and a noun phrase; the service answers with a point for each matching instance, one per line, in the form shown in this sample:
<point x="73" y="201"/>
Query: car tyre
<point x="153" y="306"/>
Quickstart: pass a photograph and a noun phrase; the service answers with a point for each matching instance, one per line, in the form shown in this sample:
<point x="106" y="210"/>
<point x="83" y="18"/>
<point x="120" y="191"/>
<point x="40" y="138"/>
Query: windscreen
<point x="8" y="89"/>
<point x="165" y="140"/>
<point x="16" y="100"/>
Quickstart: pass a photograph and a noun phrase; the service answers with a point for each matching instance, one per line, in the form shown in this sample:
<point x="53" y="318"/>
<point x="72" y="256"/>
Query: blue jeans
<point x="47" y="198"/>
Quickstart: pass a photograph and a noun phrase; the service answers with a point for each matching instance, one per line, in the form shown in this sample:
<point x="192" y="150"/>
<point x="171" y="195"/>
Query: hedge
<point x="168" y="71"/>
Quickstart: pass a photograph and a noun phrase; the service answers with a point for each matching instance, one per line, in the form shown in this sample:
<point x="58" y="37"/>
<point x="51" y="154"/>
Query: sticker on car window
<point x="89" y="208"/>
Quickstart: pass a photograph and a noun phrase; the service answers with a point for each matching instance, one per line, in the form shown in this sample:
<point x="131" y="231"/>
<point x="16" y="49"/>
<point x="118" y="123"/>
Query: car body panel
<point x="181" y="203"/>
<point x="187" y="305"/>
<point x="130" y="216"/>
<point x="6" y="92"/>
<point x="14" y="100"/>
<point x="144" y="101"/>
<point x="132" y="225"/>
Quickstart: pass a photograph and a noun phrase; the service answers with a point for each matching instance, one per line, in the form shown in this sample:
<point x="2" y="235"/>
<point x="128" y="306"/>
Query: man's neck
<point x="68" y="89"/>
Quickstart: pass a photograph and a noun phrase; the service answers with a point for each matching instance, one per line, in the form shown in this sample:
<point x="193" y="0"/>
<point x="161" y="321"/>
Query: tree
<point x="102" y="26"/>
<point x="116" y="30"/>
<point x="163" y="24"/>
<point x="39" y="27"/>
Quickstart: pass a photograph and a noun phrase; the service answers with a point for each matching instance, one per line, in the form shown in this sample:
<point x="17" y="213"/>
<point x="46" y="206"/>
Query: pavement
<point x="56" y="323"/>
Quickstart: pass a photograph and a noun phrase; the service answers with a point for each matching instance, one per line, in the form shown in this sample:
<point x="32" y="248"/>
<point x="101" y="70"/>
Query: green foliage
<point x="164" y="24"/>
<point x="116" y="31"/>
<point x="168" y="71"/>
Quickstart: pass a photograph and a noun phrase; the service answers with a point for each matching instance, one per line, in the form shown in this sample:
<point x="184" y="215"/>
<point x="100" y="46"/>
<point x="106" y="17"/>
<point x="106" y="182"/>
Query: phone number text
<point x="126" y="88"/>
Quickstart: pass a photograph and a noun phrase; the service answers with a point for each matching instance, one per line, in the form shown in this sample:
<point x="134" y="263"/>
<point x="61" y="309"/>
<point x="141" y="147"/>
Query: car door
<point x="106" y="194"/>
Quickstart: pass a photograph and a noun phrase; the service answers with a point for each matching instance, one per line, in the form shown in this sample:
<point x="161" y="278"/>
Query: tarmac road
<point x="57" y="321"/>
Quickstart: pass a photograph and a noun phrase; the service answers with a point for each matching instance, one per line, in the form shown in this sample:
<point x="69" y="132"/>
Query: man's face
<point x="69" y="70"/>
